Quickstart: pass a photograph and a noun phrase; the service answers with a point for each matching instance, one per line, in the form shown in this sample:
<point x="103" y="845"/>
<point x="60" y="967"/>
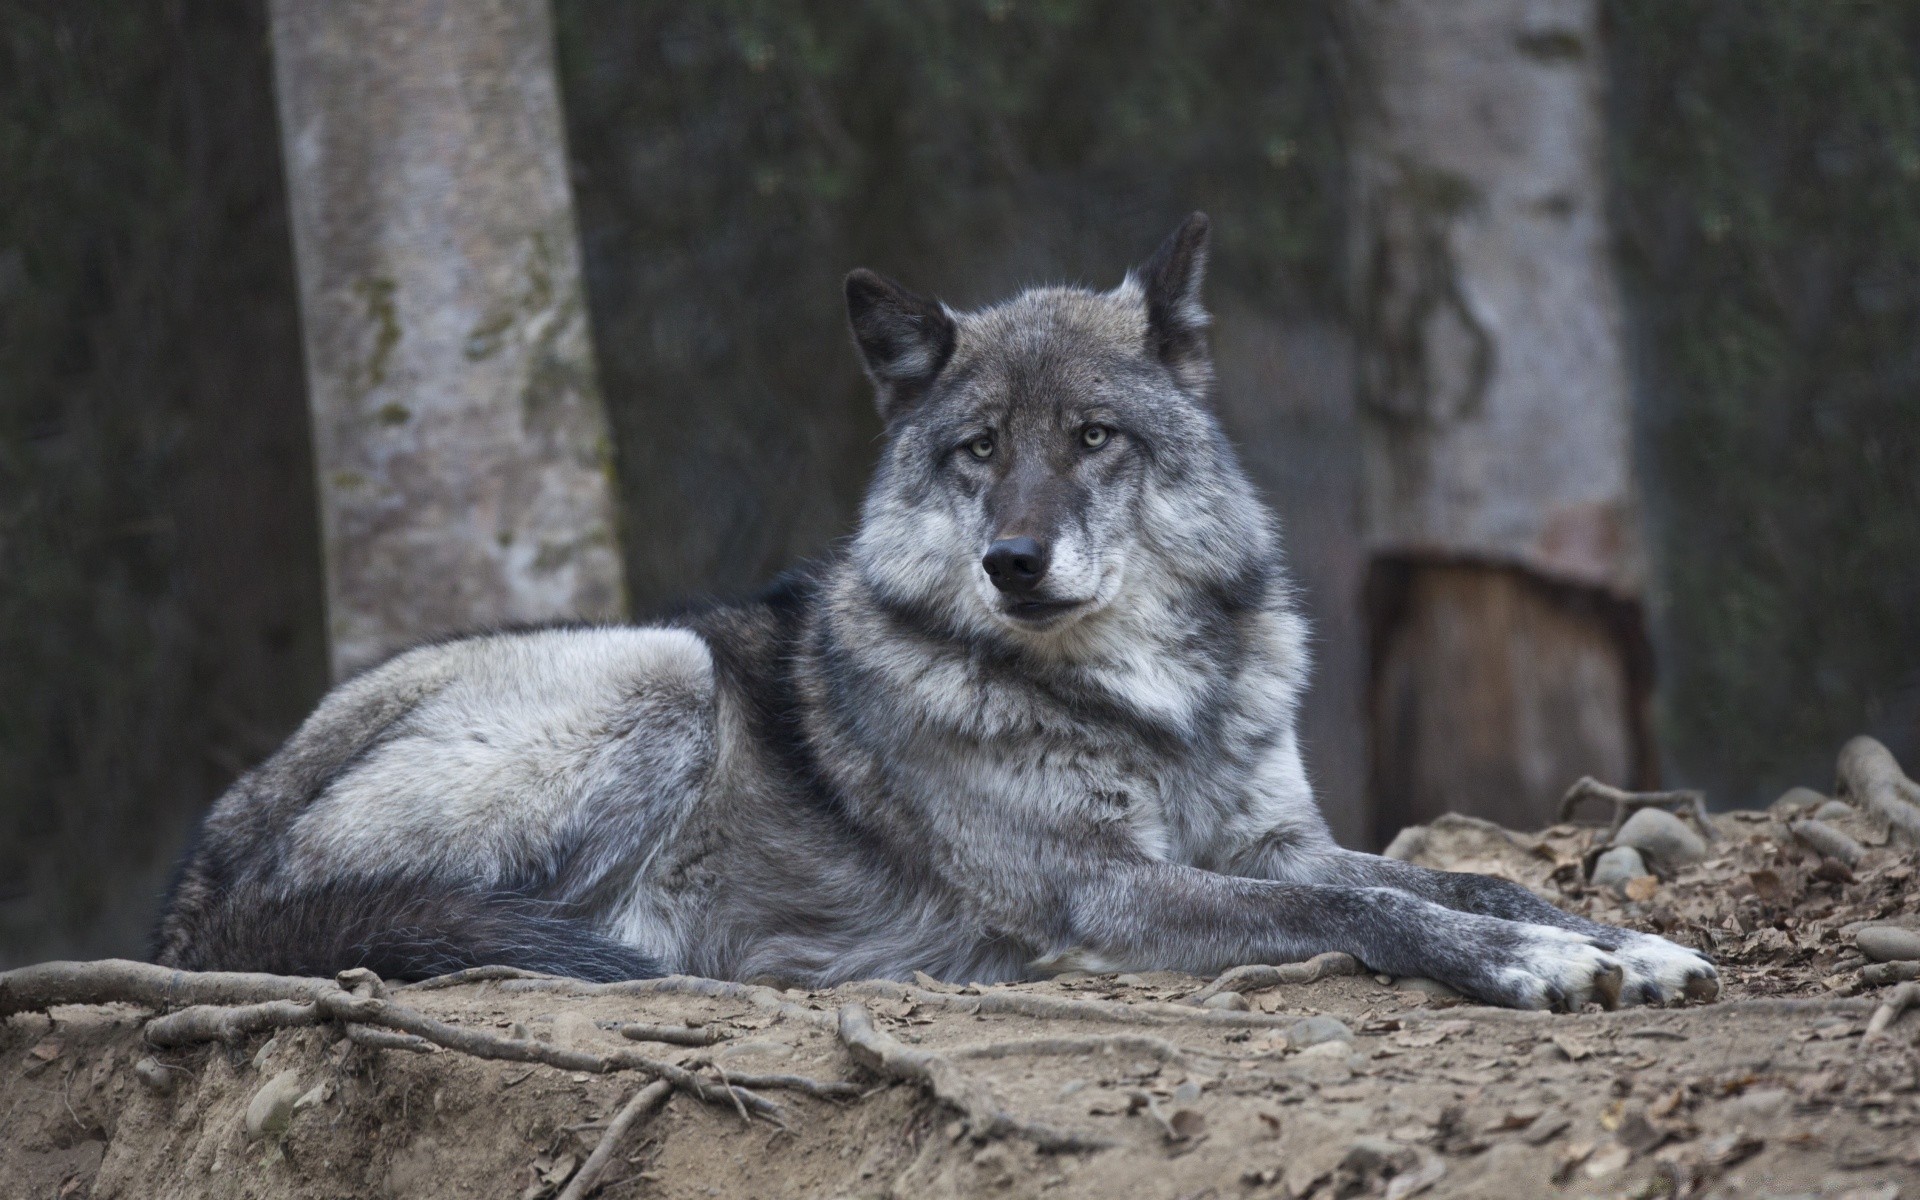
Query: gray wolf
<point x="1037" y="713"/>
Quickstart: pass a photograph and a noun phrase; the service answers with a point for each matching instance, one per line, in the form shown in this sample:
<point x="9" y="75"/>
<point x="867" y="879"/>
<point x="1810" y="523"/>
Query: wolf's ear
<point x="1176" y="320"/>
<point x="904" y="339"/>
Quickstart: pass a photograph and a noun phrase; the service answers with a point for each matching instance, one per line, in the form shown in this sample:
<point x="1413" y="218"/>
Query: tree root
<point x="642" y="1103"/>
<point x="229" y="1006"/>
<point x="1255" y="977"/>
<point x="672" y="1035"/>
<point x="1870" y="777"/>
<point x="1906" y="996"/>
<point x="1023" y="1004"/>
<point x="939" y="1077"/>
<point x="1158" y="1049"/>
<point x="1881" y="974"/>
<point x="1686" y="803"/>
<point x="1827" y="841"/>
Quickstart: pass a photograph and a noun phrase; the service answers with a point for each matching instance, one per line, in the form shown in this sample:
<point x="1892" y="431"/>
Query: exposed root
<point x="227" y="1006"/>
<point x="120" y="981"/>
<point x="1906" y="996"/>
<point x="1871" y="778"/>
<point x="226" y="1023"/>
<point x="1254" y="977"/>
<point x="1023" y="1004"/>
<point x="1158" y="1049"/>
<point x="471" y="975"/>
<point x="642" y="1103"/>
<point x="819" y="1089"/>
<point x="1881" y="974"/>
<point x="937" y="1074"/>
<point x="387" y="1039"/>
<point x="673" y="1035"/>
<point x="1686" y="803"/>
<point x="1827" y="841"/>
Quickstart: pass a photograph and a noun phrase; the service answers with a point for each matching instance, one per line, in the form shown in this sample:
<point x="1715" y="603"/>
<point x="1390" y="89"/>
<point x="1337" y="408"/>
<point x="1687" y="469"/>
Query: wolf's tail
<point x="398" y="928"/>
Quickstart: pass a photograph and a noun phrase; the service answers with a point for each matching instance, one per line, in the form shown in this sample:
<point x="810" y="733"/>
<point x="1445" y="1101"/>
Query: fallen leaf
<point x="1607" y="1161"/>
<point x="1187" y="1123"/>
<point x="1571" y="1046"/>
<point x="1642" y="888"/>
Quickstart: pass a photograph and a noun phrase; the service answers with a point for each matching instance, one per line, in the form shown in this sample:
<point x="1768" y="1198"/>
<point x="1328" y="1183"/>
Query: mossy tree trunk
<point x="1500" y="507"/>
<point x="464" y="461"/>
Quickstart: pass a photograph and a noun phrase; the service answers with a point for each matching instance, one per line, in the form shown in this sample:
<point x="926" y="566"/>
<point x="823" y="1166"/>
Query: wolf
<point x="1037" y="713"/>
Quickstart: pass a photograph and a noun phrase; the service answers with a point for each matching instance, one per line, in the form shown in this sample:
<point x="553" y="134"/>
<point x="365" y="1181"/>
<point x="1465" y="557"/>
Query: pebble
<point x="271" y="1109"/>
<point x="1833" y="810"/>
<point x="1430" y="987"/>
<point x="1663" y="837"/>
<point x="1312" y="1031"/>
<point x="1795" y="801"/>
<point x="1129" y="981"/>
<point x="1888" y="943"/>
<point x="1230" y="1001"/>
<point x="1614" y="868"/>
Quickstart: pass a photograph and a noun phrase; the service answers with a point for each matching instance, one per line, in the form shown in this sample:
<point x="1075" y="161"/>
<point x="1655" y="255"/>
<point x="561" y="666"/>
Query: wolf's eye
<point x="981" y="448"/>
<point x="1095" y="436"/>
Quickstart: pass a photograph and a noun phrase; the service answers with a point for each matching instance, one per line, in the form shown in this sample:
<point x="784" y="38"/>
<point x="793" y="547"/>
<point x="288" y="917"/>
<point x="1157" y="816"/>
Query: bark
<point x="1499" y="500"/>
<point x="464" y="461"/>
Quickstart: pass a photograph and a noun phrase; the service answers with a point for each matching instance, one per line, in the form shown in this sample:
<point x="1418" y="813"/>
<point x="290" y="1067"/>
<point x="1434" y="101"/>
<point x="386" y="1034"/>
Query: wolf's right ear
<point x="1177" y="321"/>
<point x="904" y="339"/>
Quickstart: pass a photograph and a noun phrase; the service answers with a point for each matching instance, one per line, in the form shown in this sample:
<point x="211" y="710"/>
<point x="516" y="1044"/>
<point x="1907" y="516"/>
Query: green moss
<point x="376" y="294"/>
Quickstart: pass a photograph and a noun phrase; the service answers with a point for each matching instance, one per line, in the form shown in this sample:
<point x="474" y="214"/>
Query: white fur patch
<point x="1667" y="968"/>
<point x="1558" y="958"/>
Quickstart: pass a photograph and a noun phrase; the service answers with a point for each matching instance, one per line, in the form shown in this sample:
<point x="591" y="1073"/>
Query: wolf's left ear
<point x="904" y="339"/>
<point x="1176" y="320"/>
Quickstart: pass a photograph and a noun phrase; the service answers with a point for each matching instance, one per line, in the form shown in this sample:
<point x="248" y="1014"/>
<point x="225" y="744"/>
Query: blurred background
<point x="1748" y="175"/>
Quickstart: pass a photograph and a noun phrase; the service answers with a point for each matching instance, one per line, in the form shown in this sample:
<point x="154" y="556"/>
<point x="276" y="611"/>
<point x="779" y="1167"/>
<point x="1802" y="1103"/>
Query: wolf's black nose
<point x="1015" y="564"/>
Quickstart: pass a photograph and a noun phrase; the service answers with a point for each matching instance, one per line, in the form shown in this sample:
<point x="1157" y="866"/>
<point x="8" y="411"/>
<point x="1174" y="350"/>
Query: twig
<point x="884" y="1055"/>
<point x="1827" y="841"/>
<point x="1689" y="803"/>
<point x="643" y="1102"/>
<point x="1872" y="779"/>
<point x="674" y="1035"/>
<point x="1254" y="977"/>
<point x="1898" y="1001"/>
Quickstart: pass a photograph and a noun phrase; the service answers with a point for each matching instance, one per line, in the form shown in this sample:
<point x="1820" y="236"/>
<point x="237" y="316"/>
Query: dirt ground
<point x="1768" y="1093"/>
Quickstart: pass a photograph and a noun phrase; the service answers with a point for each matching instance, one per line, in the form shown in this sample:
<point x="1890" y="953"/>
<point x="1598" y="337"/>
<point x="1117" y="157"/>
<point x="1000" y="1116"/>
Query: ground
<point x="1772" y="1092"/>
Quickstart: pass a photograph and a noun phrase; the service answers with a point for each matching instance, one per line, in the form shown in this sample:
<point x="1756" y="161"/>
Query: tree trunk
<point x="464" y="460"/>
<point x="1500" y="507"/>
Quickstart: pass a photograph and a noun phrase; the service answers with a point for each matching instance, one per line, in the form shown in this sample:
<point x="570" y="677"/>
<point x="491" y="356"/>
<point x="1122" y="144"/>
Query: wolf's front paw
<point x="1543" y="967"/>
<point x="1660" y="972"/>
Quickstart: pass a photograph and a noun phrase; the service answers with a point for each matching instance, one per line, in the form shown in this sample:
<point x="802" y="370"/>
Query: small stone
<point x="1833" y="810"/>
<point x="1795" y="801"/>
<point x="271" y="1109"/>
<point x="1229" y="1001"/>
<point x="150" y="1072"/>
<point x="1662" y="837"/>
<point x="1129" y="981"/>
<point x="1312" y="1031"/>
<point x="1888" y="943"/>
<point x="1187" y="1092"/>
<point x="1429" y="987"/>
<point x="1618" y="865"/>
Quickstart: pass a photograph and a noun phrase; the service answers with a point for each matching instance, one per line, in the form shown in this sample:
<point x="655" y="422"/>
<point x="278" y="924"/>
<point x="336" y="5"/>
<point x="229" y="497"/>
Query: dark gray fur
<point x="884" y="765"/>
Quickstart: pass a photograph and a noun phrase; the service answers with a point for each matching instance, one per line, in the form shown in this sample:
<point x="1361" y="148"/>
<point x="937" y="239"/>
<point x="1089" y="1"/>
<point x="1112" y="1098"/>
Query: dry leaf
<point x="1642" y="888"/>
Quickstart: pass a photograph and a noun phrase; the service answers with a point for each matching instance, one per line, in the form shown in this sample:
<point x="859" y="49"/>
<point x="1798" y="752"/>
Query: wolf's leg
<point x="1184" y="918"/>
<point x="1657" y="970"/>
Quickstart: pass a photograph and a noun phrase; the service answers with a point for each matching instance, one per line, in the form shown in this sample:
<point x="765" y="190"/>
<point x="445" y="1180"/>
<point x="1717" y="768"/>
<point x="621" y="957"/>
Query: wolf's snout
<point x="1015" y="564"/>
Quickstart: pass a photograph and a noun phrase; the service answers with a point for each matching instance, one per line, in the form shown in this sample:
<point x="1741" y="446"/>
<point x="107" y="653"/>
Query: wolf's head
<point x="1052" y="462"/>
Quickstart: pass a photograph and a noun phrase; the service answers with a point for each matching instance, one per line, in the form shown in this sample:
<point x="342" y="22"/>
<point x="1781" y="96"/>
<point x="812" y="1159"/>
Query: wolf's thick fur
<point x="1039" y="713"/>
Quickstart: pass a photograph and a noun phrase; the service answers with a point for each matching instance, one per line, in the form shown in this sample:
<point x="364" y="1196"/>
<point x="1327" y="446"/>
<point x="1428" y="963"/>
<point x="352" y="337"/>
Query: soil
<point x="1771" y="1092"/>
